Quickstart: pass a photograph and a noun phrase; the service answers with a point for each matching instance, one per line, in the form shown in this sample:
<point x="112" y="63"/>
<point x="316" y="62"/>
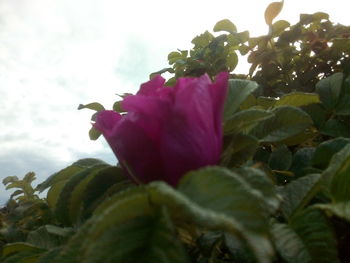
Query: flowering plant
<point x="168" y="131"/>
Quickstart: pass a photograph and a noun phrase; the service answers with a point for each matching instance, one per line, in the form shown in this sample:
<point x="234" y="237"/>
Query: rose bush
<point x="167" y="131"/>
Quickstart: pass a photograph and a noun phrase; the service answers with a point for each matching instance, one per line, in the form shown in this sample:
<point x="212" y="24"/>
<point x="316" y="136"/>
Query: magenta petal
<point x="106" y="121"/>
<point x="149" y="88"/>
<point x="136" y="151"/>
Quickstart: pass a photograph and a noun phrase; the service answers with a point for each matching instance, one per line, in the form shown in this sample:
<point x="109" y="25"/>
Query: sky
<point x="57" y="54"/>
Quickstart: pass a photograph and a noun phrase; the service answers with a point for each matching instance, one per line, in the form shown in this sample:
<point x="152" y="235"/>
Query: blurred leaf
<point x="281" y="158"/>
<point x="340" y="184"/>
<point x="298" y="193"/>
<point x="278" y="27"/>
<point x="266" y="102"/>
<point x="343" y="106"/>
<point x="289" y="245"/>
<point x="244" y="121"/>
<point x="272" y="11"/>
<point x="318" y="237"/>
<point x="29" y="177"/>
<point x="238" y="92"/>
<point x="164" y="70"/>
<point x="9" y="179"/>
<point x="336" y="128"/>
<point x="68" y="200"/>
<point x="92" y="106"/>
<point x="325" y="151"/>
<point x="232" y="60"/>
<point x="203" y="40"/>
<point x="263" y="185"/>
<point x="94" y="134"/>
<point x="329" y="90"/>
<point x="298" y="99"/>
<point x="225" y="25"/>
<point x="340" y="209"/>
<point x="239" y="148"/>
<point x="13" y="248"/>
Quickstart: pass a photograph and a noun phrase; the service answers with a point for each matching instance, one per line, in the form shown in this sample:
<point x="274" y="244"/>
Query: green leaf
<point x="298" y="99"/>
<point x="266" y="102"/>
<point x="92" y="106"/>
<point x="340" y="184"/>
<point x="272" y="11"/>
<point x="329" y="90"/>
<point x="225" y="192"/>
<point x="335" y="165"/>
<point x="281" y="158"/>
<point x="287" y="123"/>
<point x="164" y="70"/>
<point x="341" y="209"/>
<point x="263" y="186"/>
<point x="100" y="187"/>
<point x="232" y="60"/>
<point x="244" y="121"/>
<point x="67" y="172"/>
<point x="202" y="40"/>
<point x="141" y="239"/>
<point x="343" y="106"/>
<point x="238" y="91"/>
<point x="49" y="256"/>
<point x="298" y="193"/>
<point x="41" y="238"/>
<point x="17" y="247"/>
<point x="278" y="27"/>
<point x="9" y="179"/>
<point x="68" y="199"/>
<point x="318" y="237"/>
<point x="94" y="134"/>
<point x="289" y="245"/>
<point x="239" y="148"/>
<point x="336" y="128"/>
<point x="225" y="25"/>
<point x="325" y="151"/>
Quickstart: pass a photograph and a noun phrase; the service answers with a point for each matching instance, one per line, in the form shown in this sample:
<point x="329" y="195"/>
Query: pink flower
<point x="168" y="131"/>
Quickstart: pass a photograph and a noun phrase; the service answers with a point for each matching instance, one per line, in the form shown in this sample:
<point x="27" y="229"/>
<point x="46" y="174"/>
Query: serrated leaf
<point x="144" y="238"/>
<point x="224" y="185"/>
<point x="298" y="193"/>
<point x="272" y="11"/>
<point x="104" y="183"/>
<point x="287" y="123"/>
<point x="63" y="210"/>
<point x="289" y="245"/>
<point x="298" y="99"/>
<point x="318" y="237"/>
<point x="223" y="191"/>
<point x="225" y="25"/>
<point x="238" y="91"/>
<point x="92" y="106"/>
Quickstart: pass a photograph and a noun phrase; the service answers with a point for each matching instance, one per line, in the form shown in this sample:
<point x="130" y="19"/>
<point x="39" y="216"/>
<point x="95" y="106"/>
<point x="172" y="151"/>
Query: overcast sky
<point x="56" y="54"/>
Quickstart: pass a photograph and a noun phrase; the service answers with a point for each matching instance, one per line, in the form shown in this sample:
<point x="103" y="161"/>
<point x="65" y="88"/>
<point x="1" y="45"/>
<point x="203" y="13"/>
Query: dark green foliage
<point x="280" y="195"/>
